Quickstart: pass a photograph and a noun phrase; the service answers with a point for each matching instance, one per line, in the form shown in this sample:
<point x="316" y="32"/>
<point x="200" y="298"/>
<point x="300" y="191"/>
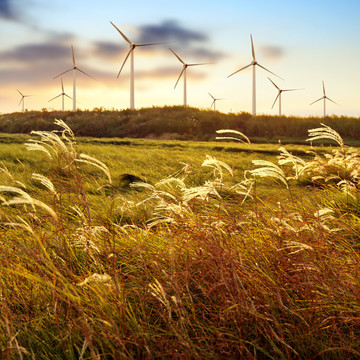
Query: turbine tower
<point x="62" y="95"/>
<point x="22" y="100"/>
<point x="74" y="68"/>
<point x="279" y="95"/>
<point x="183" y="71"/>
<point x="325" y="98"/>
<point x="214" y="101"/>
<point x="253" y="64"/>
<point x="131" y="54"/>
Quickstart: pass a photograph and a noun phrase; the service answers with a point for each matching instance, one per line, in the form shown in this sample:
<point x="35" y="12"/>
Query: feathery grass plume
<point x="268" y="169"/>
<point x="348" y="188"/>
<point x="46" y="182"/>
<point x="234" y="132"/>
<point x="325" y="132"/>
<point x="299" y="165"/>
<point x="51" y="141"/>
<point x="66" y="131"/>
<point x="157" y="290"/>
<point x="243" y="188"/>
<point x="341" y="167"/>
<point x="325" y="218"/>
<point x="295" y="247"/>
<point x="217" y="166"/>
<point x="201" y="192"/>
<point x="34" y="145"/>
<point x="87" y="159"/>
<point x="21" y="224"/>
<point x="156" y="193"/>
<point x="96" y="278"/>
<point x="25" y="199"/>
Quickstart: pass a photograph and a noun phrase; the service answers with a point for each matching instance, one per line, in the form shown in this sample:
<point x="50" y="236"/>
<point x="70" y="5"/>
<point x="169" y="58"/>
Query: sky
<point x="303" y="42"/>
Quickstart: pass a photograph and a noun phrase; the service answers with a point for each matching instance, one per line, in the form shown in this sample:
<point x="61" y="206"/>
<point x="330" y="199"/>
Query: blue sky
<point x="304" y="42"/>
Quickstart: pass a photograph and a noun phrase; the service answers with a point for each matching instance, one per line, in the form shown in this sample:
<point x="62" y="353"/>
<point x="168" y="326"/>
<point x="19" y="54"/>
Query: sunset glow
<point x="305" y="43"/>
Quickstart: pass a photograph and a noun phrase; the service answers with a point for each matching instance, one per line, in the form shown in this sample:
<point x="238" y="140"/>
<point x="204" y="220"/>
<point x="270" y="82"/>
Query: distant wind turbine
<point x="324" y="97"/>
<point x="62" y="95"/>
<point x="279" y="95"/>
<point x="253" y="64"/>
<point x="131" y="54"/>
<point x="74" y="68"/>
<point x="22" y="100"/>
<point x="214" y="101"/>
<point x="183" y="71"/>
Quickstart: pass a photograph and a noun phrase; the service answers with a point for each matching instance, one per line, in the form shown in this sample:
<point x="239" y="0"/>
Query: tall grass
<point x="226" y="268"/>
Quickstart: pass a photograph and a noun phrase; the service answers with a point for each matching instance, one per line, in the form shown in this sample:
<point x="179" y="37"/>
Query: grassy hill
<point x="177" y="122"/>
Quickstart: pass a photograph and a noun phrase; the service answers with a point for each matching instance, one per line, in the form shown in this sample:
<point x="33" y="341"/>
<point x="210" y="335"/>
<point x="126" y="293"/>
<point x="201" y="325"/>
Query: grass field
<point x="143" y="249"/>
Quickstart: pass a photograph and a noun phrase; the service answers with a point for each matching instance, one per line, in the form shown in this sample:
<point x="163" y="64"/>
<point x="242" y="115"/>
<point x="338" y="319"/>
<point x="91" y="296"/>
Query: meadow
<point x="147" y="249"/>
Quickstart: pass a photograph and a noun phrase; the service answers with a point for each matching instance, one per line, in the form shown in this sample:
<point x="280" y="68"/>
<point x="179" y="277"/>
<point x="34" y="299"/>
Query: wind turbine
<point x="279" y="95"/>
<point x="62" y="94"/>
<point x="214" y="101"/>
<point x="324" y="97"/>
<point x="74" y="68"/>
<point x="22" y="100"/>
<point x="183" y="71"/>
<point x="131" y="54"/>
<point x="253" y="64"/>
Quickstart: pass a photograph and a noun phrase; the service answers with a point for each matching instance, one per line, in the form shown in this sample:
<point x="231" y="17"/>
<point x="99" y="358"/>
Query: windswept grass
<point x="214" y="261"/>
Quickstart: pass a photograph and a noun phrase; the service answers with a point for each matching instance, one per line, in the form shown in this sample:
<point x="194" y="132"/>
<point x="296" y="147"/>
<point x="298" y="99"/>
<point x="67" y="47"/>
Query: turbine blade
<point x="123" y="64"/>
<point x="125" y="38"/>
<point x="211" y="95"/>
<point x="292" y="89"/>
<point x="73" y="55"/>
<point x="182" y="71"/>
<point x="62" y="85"/>
<point x="54" y="98"/>
<point x="239" y="70"/>
<point x="252" y="47"/>
<point x="317" y="100"/>
<point x="323" y="88"/>
<point x="85" y="73"/>
<point x="177" y="56"/>
<point x="68" y="96"/>
<point x="332" y="101"/>
<point x="274" y="84"/>
<point x="269" y="71"/>
<point x="212" y="103"/>
<point x="150" y="44"/>
<point x="198" y="64"/>
<point x="63" y="73"/>
<point x="22" y="99"/>
<point x="19" y="92"/>
<point x="275" y="99"/>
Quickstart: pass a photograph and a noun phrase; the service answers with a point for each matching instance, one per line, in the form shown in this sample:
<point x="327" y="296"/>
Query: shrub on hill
<point x="181" y="122"/>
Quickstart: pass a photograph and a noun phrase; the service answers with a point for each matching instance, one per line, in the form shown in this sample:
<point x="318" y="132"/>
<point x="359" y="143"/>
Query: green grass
<point x="184" y="267"/>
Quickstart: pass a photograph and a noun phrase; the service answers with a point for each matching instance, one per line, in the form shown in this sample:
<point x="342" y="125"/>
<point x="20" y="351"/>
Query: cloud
<point x="36" y="53"/>
<point x="168" y="31"/>
<point x="37" y="64"/>
<point x="107" y="49"/>
<point x="6" y="10"/>
<point x="272" y="52"/>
